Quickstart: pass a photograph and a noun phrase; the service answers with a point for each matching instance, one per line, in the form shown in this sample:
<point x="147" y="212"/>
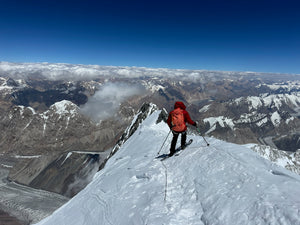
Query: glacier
<point x="220" y="184"/>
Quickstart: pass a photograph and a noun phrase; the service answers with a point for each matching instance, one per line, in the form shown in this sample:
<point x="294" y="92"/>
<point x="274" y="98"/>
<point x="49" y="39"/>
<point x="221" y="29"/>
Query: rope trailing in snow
<point x="164" y="165"/>
<point x="166" y="170"/>
<point x="166" y="181"/>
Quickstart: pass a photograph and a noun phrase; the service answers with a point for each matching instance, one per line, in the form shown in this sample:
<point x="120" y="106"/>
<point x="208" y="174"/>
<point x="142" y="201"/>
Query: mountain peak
<point x="221" y="184"/>
<point x="65" y="107"/>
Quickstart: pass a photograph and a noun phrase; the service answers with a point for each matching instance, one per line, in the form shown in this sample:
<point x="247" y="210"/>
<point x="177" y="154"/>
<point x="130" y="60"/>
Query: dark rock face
<point x="11" y="82"/>
<point x="31" y="96"/>
<point x="6" y="219"/>
<point x="70" y="173"/>
<point x="289" y="143"/>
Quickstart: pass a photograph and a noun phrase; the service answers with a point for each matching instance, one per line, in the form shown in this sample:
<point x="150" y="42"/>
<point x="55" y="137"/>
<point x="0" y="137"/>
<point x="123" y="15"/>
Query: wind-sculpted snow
<point x="222" y="184"/>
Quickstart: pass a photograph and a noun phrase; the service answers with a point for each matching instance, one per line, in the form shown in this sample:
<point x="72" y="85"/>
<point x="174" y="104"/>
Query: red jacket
<point x="186" y="115"/>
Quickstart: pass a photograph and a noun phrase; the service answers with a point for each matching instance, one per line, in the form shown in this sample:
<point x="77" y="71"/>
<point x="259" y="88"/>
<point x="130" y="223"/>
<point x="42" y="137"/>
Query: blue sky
<point x="244" y="35"/>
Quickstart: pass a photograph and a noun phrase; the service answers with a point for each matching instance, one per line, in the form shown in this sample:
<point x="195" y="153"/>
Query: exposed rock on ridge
<point x="146" y="110"/>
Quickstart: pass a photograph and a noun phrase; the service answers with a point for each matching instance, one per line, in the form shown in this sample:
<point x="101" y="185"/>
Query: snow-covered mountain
<point x="264" y="117"/>
<point x="57" y="118"/>
<point x="222" y="184"/>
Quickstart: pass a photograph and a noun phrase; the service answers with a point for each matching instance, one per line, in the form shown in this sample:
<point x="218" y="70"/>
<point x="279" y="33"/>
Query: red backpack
<point x="178" y="123"/>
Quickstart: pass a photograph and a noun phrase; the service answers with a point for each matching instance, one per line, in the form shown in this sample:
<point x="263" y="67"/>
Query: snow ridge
<point x="222" y="184"/>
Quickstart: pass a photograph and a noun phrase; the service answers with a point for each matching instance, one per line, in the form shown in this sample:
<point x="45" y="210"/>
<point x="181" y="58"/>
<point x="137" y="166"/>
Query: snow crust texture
<point x="223" y="184"/>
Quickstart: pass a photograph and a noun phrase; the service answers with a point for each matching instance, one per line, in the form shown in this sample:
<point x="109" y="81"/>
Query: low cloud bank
<point x="105" y="102"/>
<point x="75" y="72"/>
<point x="63" y="71"/>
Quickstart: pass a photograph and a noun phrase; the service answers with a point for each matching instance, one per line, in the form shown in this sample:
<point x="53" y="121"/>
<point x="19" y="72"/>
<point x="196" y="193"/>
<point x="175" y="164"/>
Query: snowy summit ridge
<point x="222" y="184"/>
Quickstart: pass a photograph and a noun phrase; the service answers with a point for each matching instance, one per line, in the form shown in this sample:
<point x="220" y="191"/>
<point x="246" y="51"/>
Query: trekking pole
<point x="164" y="142"/>
<point x="202" y="136"/>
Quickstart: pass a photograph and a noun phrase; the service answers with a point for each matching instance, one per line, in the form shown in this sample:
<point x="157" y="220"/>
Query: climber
<point x="177" y="122"/>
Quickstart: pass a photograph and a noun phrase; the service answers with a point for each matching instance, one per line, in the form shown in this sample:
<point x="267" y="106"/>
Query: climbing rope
<point x="166" y="181"/>
<point x="166" y="170"/>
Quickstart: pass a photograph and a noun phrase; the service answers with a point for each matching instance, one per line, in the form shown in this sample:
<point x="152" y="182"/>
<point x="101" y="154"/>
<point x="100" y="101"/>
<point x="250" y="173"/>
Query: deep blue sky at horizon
<point x="240" y="35"/>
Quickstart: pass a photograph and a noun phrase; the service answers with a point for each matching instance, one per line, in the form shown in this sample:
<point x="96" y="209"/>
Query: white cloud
<point x="62" y="71"/>
<point x="107" y="100"/>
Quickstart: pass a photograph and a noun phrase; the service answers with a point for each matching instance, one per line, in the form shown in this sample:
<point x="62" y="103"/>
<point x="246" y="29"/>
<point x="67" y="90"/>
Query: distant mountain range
<point x="60" y="123"/>
<point x="48" y="110"/>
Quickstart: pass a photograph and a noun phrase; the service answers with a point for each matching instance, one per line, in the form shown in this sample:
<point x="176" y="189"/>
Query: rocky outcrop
<point x="288" y="142"/>
<point x="146" y="110"/>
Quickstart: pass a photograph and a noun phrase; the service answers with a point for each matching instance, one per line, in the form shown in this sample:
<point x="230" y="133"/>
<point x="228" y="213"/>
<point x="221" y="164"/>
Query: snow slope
<point x="223" y="184"/>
